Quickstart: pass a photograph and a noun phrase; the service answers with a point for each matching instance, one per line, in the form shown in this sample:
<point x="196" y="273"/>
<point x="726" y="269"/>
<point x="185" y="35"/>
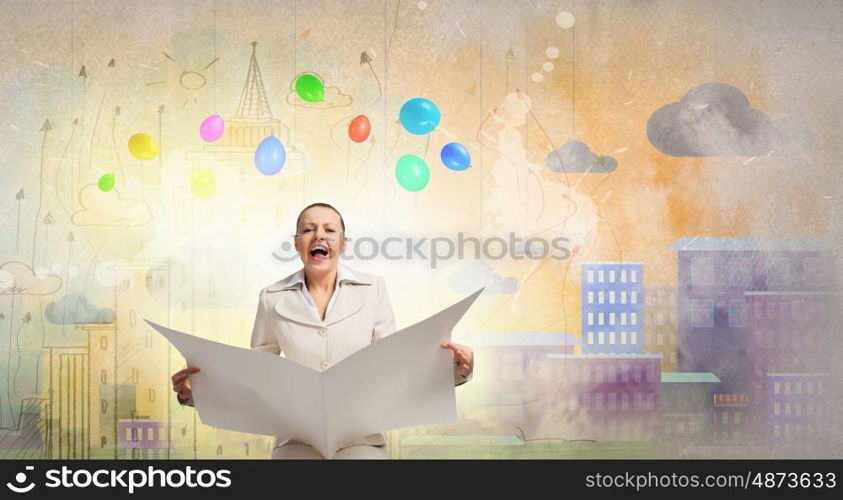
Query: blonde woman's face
<point x="321" y="239"/>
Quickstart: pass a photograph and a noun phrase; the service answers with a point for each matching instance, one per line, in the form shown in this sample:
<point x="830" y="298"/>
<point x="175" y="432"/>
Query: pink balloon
<point x="211" y="128"/>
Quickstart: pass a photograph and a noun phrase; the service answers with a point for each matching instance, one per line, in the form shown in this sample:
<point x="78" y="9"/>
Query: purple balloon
<point x="211" y="128"/>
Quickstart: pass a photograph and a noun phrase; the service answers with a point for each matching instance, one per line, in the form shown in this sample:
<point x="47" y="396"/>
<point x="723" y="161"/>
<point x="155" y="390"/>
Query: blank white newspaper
<point x="402" y="380"/>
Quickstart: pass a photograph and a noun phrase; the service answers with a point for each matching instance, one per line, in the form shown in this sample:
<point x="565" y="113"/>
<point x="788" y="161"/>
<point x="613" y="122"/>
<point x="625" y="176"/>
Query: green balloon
<point x="310" y="88"/>
<point x="106" y="182"/>
<point x="412" y="173"/>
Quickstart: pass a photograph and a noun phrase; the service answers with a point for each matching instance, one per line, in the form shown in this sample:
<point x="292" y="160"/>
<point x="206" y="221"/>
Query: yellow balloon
<point x="143" y="146"/>
<point x="202" y="183"/>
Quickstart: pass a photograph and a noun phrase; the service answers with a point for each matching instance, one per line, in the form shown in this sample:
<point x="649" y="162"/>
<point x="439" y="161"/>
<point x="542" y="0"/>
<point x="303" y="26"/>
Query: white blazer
<point x="361" y="313"/>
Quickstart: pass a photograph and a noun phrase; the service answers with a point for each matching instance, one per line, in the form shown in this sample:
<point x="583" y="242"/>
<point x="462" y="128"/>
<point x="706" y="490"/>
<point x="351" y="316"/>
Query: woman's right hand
<point x="181" y="383"/>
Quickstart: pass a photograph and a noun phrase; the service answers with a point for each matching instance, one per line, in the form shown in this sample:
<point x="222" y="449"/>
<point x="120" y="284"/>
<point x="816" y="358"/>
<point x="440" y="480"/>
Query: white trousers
<point x="307" y="452"/>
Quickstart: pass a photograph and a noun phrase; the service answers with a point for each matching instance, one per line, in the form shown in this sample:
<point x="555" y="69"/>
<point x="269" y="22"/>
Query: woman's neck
<point x="322" y="282"/>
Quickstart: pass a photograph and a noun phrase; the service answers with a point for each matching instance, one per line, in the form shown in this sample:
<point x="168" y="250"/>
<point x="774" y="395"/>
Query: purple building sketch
<point x="790" y="332"/>
<point x="514" y="372"/>
<point x="612" y="307"/>
<point x="141" y="436"/>
<point x="714" y="274"/>
<point x="798" y="407"/>
<point x="607" y="396"/>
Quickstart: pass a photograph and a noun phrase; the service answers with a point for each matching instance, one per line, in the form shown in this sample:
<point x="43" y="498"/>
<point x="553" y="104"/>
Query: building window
<point x="625" y="401"/>
<point x="612" y="337"/>
<point x="151" y="395"/>
<point x="633" y="275"/>
<point x="623" y="297"/>
<point x="611" y="296"/>
<point x="633" y="317"/>
<point x="740" y="271"/>
<point x="636" y="374"/>
<point x="611" y="318"/>
<point x="633" y="297"/>
<point x="702" y="313"/>
<point x="623" y="338"/>
<point x="702" y="271"/>
<point x="601" y="339"/>
<point x="601" y="276"/>
<point x="601" y="297"/>
<point x="135" y="375"/>
<point x="623" y="275"/>
<point x="591" y="338"/>
<point x="103" y="406"/>
<point x="590" y="275"/>
<point x="133" y="318"/>
<point x="103" y="377"/>
<point x="612" y="276"/>
<point x="633" y="338"/>
<point x="623" y="318"/>
<point x="778" y="272"/>
<point x="591" y="297"/>
<point x="598" y="401"/>
<point x="787" y="388"/>
<point x="651" y="373"/>
<point x="103" y="343"/>
<point x="737" y="313"/>
<point x="590" y="318"/>
<point x="737" y="417"/>
<point x="601" y="319"/>
<point x="613" y="403"/>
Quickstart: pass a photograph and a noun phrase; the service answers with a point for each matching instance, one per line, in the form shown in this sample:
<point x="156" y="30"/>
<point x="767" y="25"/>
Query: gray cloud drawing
<point x="576" y="157"/>
<point x="713" y="119"/>
<point x="477" y="274"/>
<point x="74" y="308"/>
<point x="18" y="278"/>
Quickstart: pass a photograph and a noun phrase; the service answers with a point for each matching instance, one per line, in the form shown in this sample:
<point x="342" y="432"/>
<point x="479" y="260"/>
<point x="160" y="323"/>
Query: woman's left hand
<point x="463" y="357"/>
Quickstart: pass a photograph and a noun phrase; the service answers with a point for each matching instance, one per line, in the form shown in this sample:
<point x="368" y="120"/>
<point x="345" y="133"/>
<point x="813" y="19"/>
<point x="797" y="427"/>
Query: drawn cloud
<point x="477" y="274"/>
<point x="576" y="157"/>
<point x="109" y="209"/>
<point x="74" y="308"/>
<point x="334" y="98"/>
<point x="715" y="119"/>
<point x="17" y="278"/>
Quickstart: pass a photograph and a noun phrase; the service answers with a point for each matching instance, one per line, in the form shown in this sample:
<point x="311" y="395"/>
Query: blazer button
<point x="321" y="332"/>
<point x="324" y="365"/>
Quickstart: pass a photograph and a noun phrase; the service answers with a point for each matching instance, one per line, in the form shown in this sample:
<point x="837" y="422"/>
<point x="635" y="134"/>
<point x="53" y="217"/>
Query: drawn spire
<point x="253" y="102"/>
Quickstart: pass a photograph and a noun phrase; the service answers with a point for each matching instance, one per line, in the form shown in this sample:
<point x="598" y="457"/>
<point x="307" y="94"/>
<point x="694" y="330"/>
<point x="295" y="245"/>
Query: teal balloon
<point x="412" y="173"/>
<point x="455" y="156"/>
<point x="419" y="116"/>
<point x="270" y="156"/>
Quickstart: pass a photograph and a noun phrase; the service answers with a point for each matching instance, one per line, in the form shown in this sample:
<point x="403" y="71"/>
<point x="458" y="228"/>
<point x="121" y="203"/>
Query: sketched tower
<point x="253" y="120"/>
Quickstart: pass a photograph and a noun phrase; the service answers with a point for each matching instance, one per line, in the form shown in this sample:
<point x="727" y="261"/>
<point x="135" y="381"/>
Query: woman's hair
<point x="298" y="220"/>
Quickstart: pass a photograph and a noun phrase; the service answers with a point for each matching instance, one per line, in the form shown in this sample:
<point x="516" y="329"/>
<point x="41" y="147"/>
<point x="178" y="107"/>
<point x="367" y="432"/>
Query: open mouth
<point x="319" y="253"/>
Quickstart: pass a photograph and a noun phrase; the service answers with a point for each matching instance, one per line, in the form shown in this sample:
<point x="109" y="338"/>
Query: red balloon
<point x="359" y="128"/>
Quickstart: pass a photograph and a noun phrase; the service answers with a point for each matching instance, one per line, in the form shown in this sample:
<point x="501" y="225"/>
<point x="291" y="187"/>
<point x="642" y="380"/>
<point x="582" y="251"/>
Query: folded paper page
<point x="404" y="379"/>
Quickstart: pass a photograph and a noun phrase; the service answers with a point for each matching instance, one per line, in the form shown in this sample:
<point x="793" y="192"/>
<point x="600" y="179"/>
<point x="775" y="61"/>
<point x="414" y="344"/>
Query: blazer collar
<point x="291" y="303"/>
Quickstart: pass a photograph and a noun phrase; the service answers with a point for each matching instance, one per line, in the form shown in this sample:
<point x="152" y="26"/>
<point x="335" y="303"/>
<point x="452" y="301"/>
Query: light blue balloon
<point x="270" y="156"/>
<point x="455" y="156"/>
<point x="419" y="116"/>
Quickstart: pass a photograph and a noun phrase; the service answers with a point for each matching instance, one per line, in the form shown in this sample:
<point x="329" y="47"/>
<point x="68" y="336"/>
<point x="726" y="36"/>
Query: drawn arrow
<point x="469" y="91"/>
<point x="509" y="56"/>
<point x="46" y="129"/>
<point x="82" y="72"/>
<point x="19" y="197"/>
<point x="48" y="221"/>
<point x="111" y="63"/>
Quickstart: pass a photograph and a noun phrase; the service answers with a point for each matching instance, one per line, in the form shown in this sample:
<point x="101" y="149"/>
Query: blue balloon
<point x="270" y="156"/>
<point x="419" y="116"/>
<point x="455" y="156"/>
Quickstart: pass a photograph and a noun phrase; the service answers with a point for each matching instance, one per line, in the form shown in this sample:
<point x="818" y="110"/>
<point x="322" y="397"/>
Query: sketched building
<point x="687" y="406"/>
<point x="731" y="419"/>
<point x="612" y="307"/>
<point x="799" y="407"/>
<point x="605" y="397"/>
<point x="791" y="332"/>
<point x="661" y="316"/>
<point x="515" y="371"/>
<point x="714" y="273"/>
<point x="68" y="414"/>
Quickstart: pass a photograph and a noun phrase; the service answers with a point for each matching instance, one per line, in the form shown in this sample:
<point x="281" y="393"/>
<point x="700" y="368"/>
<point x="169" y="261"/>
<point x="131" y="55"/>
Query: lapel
<point x="291" y="304"/>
